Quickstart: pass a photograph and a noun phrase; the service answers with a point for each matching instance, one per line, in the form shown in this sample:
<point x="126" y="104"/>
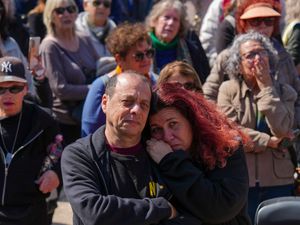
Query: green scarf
<point x="159" y="45"/>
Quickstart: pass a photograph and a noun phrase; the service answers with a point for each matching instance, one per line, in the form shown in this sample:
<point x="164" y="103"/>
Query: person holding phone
<point x="26" y="133"/>
<point x="265" y="110"/>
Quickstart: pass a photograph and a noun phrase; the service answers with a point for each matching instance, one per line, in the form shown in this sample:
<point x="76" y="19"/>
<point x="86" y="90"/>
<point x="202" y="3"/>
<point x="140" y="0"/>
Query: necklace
<point x="9" y="154"/>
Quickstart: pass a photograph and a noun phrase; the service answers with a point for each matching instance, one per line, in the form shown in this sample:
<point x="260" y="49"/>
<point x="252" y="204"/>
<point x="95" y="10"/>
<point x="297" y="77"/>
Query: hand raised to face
<point x="255" y="65"/>
<point x="261" y="72"/>
<point x="157" y="149"/>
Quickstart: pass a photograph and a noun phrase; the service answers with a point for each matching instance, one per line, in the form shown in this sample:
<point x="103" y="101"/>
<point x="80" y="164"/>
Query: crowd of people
<point x="142" y="119"/>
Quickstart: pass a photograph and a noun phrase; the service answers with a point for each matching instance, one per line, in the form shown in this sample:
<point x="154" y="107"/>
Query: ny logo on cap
<point x="6" y="67"/>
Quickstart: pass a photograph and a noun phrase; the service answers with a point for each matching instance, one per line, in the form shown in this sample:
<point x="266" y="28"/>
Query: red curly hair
<point x="241" y="24"/>
<point x="215" y="137"/>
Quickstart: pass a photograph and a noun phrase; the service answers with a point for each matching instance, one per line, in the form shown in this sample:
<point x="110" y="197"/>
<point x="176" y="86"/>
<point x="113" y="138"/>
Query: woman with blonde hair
<point x="171" y="39"/>
<point x="70" y="62"/>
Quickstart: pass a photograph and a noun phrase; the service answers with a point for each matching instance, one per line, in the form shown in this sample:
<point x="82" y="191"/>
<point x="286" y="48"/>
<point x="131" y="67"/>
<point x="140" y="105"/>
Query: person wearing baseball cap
<point x="26" y="132"/>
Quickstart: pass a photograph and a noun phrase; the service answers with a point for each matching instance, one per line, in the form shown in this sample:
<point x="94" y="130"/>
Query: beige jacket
<point x="287" y="74"/>
<point x="268" y="166"/>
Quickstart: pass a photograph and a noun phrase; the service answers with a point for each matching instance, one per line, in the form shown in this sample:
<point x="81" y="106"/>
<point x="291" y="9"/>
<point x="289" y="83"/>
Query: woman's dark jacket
<point x="217" y="196"/>
<point x="198" y="55"/>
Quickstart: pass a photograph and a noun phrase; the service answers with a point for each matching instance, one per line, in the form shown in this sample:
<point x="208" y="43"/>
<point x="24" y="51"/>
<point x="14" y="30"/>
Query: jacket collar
<point x="244" y="88"/>
<point x="98" y="141"/>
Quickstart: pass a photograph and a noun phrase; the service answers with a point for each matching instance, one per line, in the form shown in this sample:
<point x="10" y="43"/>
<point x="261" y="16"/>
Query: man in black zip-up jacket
<point x="108" y="176"/>
<point x="26" y="133"/>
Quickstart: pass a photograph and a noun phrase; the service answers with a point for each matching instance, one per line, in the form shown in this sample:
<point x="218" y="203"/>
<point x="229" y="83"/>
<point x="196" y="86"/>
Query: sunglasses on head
<point x="12" y="89"/>
<point x="105" y="3"/>
<point x="139" y="56"/>
<point x="255" y="22"/>
<point x="61" y="10"/>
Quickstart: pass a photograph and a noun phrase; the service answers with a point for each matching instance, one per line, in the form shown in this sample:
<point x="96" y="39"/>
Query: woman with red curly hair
<point x="199" y="154"/>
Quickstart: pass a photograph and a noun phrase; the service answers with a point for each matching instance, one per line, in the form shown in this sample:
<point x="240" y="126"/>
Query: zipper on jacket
<point x="7" y="165"/>
<point x="5" y="175"/>
<point x="4" y="185"/>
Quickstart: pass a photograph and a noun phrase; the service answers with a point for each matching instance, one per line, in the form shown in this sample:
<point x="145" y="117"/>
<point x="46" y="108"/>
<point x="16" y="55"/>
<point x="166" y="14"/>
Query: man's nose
<point x="136" y="108"/>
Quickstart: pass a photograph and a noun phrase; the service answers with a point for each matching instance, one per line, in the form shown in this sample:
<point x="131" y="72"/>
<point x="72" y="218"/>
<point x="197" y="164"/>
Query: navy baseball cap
<point x="12" y="69"/>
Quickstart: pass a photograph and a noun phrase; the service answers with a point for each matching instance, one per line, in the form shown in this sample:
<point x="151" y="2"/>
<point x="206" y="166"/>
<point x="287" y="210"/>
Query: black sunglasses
<point x="139" y="56"/>
<point x="191" y="86"/>
<point x="255" y="22"/>
<point x="61" y="10"/>
<point x="105" y="3"/>
<point x="12" y="89"/>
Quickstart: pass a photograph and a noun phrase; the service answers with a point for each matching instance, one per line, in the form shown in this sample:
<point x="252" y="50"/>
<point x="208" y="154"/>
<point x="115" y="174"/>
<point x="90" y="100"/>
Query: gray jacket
<point x="99" y="46"/>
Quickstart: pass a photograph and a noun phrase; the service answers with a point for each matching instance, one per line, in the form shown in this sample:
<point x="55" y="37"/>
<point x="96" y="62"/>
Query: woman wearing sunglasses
<point x="265" y="110"/>
<point x="182" y="73"/>
<point x="95" y="22"/>
<point x="130" y="45"/>
<point x="171" y="40"/>
<point x="26" y="132"/>
<point x="70" y="61"/>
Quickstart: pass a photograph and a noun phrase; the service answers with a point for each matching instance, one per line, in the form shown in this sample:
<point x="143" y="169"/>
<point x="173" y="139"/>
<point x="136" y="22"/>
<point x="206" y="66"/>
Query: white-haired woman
<point x="265" y="110"/>
<point x="70" y="62"/>
<point x="168" y="27"/>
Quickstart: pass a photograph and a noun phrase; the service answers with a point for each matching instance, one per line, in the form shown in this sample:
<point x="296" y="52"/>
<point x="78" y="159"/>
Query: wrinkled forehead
<point x="250" y="45"/>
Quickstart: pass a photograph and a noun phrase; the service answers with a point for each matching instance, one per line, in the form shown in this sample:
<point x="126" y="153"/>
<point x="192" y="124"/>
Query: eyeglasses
<point x="255" y="22"/>
<point x="61" y="10"/>
<point x="191" y="86"/>
<point x="250" y="56"/>
<point x="139" y="56"/>
<point x="105" y="3"/>
<point x="12" y="89"/>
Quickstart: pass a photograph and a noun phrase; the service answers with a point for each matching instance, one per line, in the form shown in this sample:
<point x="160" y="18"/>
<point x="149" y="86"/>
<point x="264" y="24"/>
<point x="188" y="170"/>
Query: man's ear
<point x="104" y="102"/>
<point x="26" y="89"/>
